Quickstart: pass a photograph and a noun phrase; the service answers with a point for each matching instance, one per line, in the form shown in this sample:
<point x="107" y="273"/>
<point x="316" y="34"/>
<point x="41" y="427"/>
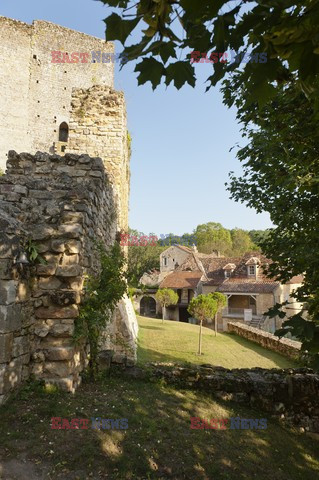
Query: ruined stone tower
<point x="67" y="190"/>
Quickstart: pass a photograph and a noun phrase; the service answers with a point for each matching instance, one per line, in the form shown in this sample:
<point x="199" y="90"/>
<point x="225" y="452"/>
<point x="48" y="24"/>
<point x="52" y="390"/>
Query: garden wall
<point x="284" y="346"/>
<point x="291" y="395"/>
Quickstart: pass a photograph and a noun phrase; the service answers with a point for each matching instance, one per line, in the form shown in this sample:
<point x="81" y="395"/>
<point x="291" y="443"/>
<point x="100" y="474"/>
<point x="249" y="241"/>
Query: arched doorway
<point x="64" y="132"/>
<point x="148" y="307"/>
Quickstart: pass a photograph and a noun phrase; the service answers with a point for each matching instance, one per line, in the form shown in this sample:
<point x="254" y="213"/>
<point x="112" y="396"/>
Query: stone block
<point x="65" y="297"/>
<point x="71" y="231"/>
<point x="7" y="292"/>
<point x="23" y="292"/>
<point x="6" y="272"/>
<point x="41" y="194"/>
<point x="20" y="189"/>
<point x="21" y="346"/>
<point x="10" y="318"/>
<point x="58" y="354"/>
<point x="42" y="232"/>
<point x="72" y="217"/>
<point x="51" y="341"/>
<point x="58" y="246"/>
<point x="49" y="283"/>
<point x="6" y="341"/>
<point x="46" y="270"/>
<point x="62" y="330"/>
<point x="69" y="271"/>
<point x="70" y="260"/>
<point x="57" y="312"/>
<point x="58" y="369"/>
<point x="73" y="246"/>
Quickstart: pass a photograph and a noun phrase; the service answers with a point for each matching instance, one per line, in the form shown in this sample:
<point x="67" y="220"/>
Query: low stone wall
<point x="291" y="395"/>
<point x="284" y="346"/>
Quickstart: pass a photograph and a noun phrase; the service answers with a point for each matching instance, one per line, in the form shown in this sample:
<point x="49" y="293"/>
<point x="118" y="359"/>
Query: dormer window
<point x="252" y="270"/>
<point x="228" y="269"/>
<point x="252" y="265"/>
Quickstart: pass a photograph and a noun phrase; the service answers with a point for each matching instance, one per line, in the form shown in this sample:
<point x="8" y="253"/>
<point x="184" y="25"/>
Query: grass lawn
<point x="178" y="342"/>
<point x="158" y="443"/>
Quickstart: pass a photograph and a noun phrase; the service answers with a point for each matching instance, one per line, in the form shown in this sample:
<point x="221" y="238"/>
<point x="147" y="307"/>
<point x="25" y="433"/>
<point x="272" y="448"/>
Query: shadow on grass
<point x="145" y="355"/>
<point x="146" y="327"/>
<point x="280" y="360"/>
<point x="158" y="444"/>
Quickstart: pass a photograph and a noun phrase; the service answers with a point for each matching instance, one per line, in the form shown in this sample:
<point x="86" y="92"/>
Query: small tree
<point x="202" y="308"/>
<point x="165" y="297"/>
<point x="221" y="302"/>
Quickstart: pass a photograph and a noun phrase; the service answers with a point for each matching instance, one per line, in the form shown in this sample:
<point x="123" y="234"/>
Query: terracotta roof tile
<point x="180" y="279"/>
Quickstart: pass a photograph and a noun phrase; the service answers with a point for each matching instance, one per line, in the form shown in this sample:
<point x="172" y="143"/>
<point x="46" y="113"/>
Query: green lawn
<point x="178" y="342"/>
<point x="158" y="444"/>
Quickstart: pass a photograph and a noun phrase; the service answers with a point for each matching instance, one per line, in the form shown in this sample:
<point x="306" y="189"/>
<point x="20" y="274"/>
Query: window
<point x="165" y="261"/>
<point x="227" y="273"/>
<point x="63" y="132"/>
<point x="251" y="270"/>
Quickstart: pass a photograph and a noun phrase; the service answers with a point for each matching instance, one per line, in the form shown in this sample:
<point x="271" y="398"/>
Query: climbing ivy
<point x="102" y="293"/>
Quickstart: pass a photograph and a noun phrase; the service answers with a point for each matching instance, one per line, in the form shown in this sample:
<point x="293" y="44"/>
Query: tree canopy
<point x="281" y="176"/>
<point x="285" y="30"/>
<point x="213" y="236"/>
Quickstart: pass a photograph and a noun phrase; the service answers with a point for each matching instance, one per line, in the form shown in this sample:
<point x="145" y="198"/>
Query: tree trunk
<point x="215" y="324"/>
<point x="163" y="313"/>
<point x="200" y="338"/>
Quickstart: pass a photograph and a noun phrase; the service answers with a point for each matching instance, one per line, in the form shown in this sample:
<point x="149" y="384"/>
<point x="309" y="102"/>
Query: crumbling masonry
<point x="60" y="204"/>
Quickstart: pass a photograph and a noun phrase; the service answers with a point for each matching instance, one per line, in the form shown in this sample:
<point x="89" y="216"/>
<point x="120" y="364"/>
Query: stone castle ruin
<point x="68" y="190"/>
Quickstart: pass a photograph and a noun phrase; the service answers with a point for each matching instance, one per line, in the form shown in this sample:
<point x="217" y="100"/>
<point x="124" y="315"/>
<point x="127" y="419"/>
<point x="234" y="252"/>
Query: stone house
<point x="249" y="292"/>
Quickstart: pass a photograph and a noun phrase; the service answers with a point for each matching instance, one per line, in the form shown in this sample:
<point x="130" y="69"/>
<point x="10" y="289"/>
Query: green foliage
<point x="286" y="30"/>
<point x="103" y="292"/>
<point x="203" y="307"/>
<point x="220" y="299"/>
<point x="131" y="292"/>
<point x="32" y="253"/>
<point x="213" y="236"/>
<point x="241" y="242"/>
<point x="281" y="172"/>
<point x="166" y="297"/>
<point x="258" y="236"/>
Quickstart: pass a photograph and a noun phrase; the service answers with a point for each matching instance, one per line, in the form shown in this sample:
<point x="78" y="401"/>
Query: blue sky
<point x="181" y="139"/>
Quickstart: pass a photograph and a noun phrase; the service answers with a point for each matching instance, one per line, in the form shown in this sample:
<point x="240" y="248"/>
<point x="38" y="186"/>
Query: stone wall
<point x="284" y="346"/>
<point x="39" y="99"/>
<point x="15" y="312"/>
<point x="98" y="126"/>
<point x="65" y="204"/>
<point x="291" y="395"/>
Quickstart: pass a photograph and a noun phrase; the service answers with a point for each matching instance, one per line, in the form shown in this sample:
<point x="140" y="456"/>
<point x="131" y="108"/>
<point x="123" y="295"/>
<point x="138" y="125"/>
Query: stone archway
<point x="148" y="307"/>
